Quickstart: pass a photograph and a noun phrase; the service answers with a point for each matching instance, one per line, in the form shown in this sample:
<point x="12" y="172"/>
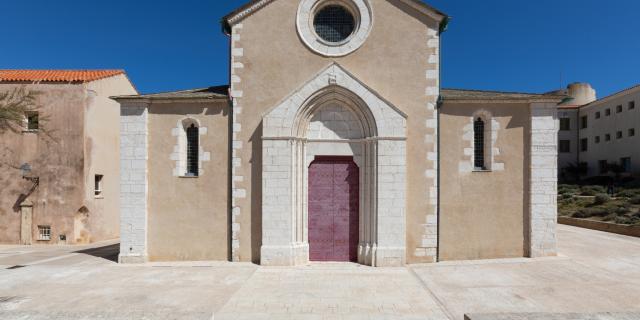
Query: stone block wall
<point x="133" y="183"/>
<point x="544" y="180"/>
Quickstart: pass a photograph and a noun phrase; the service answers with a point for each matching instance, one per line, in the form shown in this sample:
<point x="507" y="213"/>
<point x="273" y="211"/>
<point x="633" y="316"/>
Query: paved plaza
<point x="596" y="273"/>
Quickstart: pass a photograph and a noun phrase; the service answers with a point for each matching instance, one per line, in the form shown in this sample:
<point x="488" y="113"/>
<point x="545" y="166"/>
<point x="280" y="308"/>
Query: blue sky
<point x="513" y="45"/>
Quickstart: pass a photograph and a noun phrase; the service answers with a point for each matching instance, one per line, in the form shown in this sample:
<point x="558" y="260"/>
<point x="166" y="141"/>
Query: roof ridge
<point x="611" y="95"/>
<point x="58" y="75"/>
<point x="495" y="91"/>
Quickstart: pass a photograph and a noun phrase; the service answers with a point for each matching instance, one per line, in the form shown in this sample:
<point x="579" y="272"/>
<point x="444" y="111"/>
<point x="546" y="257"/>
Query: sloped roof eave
<point x="255" y="5"/>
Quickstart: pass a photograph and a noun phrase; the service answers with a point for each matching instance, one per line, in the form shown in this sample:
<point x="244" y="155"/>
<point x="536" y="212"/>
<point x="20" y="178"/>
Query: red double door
<point x="333" y="209"/>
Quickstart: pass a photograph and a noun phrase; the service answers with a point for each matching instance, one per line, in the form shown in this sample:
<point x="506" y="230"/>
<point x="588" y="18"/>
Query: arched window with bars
<point x="193" y="150"/>
<point x="479" y="144"/>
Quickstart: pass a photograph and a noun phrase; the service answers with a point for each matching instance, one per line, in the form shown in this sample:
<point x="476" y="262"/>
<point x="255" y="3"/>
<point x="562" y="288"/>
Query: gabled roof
<point x="255" y="5"/>
<point x="482" y="95"/>
<point x="210" y="93"/>
<point x="56" y="75"/>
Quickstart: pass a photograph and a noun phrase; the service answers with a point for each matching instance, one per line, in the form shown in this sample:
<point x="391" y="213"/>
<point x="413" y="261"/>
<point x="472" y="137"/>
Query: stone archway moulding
<point x="383" y="171"/>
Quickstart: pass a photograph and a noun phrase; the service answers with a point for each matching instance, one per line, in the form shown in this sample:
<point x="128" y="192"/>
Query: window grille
<point x="44" y="233"/>
<point x="334" y="23"/>
<point x="478" y="140"/>
<point x="193" y="143"/>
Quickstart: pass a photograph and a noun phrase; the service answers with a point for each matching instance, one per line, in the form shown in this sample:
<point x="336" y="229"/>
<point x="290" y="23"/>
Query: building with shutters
<point x="333" y="141"/>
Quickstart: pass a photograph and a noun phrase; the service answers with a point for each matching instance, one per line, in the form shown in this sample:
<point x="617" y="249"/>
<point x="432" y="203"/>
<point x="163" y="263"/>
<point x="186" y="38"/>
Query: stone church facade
<point x="335" y="142"/>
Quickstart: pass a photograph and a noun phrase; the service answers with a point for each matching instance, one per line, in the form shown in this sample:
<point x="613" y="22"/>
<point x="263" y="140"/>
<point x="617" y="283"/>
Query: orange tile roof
<point x="57" y="75"/>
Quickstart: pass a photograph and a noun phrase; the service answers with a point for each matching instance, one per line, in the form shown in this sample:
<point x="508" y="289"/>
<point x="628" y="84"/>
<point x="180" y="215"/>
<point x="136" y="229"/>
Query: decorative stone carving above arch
<point x="334" y="114"/>
<point x="334" y="82"/>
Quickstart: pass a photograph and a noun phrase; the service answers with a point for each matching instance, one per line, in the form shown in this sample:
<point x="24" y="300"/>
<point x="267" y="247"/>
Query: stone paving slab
<point x="556" y="316"/>
<point x="332" y="291"/>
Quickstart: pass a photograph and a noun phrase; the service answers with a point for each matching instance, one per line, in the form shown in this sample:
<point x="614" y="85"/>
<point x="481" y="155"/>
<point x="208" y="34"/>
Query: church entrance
<point x="333" y="209"/>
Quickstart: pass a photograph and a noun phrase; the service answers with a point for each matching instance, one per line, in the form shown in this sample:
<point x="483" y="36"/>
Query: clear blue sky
<point x="515" y="45"/>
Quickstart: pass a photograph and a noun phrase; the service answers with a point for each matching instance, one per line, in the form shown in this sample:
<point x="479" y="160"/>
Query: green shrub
<point x="623" y="220"/>
<point x="592" y="190"/>
<point x="591" y="212"/>
<point x="610" y="217"/>
<point x="567" y="196"/>
<point x="568" y="189"/>
<point x="635" y="200"/>
<point x="628" y="193"/>
<point x="601" y="199"/>
<point x="622" y="210"/>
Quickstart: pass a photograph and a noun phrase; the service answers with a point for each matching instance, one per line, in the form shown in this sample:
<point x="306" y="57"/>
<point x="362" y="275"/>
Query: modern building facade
<point x="598" y="133"/>
<point x="334" y="142"/>
<point x="59" y="172"/>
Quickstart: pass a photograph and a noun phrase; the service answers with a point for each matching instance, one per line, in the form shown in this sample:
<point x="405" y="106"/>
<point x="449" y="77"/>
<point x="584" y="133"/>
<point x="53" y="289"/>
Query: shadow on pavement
<point x="110" y="252"/>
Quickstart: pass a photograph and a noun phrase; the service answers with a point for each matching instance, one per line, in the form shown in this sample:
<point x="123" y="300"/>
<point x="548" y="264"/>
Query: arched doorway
<point x="333" y="115"/>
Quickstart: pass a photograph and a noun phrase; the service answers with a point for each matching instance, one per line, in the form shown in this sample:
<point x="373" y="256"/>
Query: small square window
<point x="626" y="164"/>
<point x="584" y="145"/>
<point x="603" y="166"/>
<point x="632" y="105"/>
<point x="619" y="135"/>
<point x="597" y="139"/>
<point x="565" y="146"/>
<point x="607" y="137"/>
<point x="44" y="233"/>
<point x="565" y="124"/>
<point x="584" y="122"/>
<point x="598" y="115"/>
<point x="32" y="121"/>
<point x="98" y="185"/>
<point x="632" y="132"/>
<point x="607" y="112"/>
<point x="619" y="109"/>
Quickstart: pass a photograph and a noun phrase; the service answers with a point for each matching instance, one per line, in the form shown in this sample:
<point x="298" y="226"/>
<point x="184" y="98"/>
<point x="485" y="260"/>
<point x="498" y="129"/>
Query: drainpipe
<point x="443" y="27"/>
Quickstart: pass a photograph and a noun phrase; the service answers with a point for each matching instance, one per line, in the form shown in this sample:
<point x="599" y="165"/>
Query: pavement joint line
<point x="439" y="302"/>
<point x="51" y="259"/>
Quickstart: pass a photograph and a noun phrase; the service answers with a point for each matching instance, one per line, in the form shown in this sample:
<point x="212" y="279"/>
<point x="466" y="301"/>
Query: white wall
<point x="615" y="149"/>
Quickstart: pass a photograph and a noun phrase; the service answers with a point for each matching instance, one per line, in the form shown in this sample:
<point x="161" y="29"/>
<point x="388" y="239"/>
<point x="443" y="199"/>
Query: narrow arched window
<point x="193" y="150"/>
<point x="479" y="147"/>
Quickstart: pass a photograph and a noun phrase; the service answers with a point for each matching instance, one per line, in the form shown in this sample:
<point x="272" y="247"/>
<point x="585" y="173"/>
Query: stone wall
<point x="133" y="183"/>
<point x="544" y="180"/>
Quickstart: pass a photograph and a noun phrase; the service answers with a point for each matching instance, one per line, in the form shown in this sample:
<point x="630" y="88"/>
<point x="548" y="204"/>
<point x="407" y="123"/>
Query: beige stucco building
<point x="68" y="189"/>
<point x="334" y="142"/>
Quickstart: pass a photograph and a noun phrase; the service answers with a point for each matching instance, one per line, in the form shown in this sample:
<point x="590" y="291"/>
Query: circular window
<point x="334" y="28"/>
<point x="334" y="23"/>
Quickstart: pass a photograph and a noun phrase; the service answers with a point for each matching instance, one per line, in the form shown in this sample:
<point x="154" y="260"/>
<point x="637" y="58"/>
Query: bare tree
<point x="15" y="105"/>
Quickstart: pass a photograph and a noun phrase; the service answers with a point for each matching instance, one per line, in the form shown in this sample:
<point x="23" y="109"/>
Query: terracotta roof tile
<point x="57" y="75"/>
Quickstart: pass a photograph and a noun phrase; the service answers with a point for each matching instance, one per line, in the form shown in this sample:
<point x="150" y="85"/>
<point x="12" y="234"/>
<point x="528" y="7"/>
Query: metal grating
<point x="478" y="140"/>
<point x="193" y="142"/>
<point x="334" y="23"/>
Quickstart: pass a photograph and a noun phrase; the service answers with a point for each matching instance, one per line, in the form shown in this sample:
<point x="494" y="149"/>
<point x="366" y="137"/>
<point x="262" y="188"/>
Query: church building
<point x="334" y="141"/>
